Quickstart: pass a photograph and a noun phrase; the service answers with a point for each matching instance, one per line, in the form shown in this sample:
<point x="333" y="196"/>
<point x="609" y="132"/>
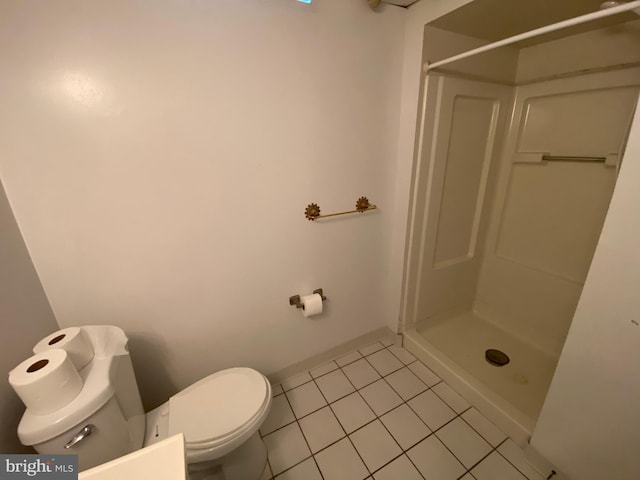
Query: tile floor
<point x="378" y="413"/>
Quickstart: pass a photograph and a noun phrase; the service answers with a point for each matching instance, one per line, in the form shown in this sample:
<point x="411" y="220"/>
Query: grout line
<point x="320" y="366"/>
<point x="402" y="361"/>
<point x="482" y="436"/>
<point x="382" y="347"/>
<point x="313" y="455"/>
<point x="435" y="432"/>
<point x="345" y="432"/>
<point x="377" y="417"/>
<point x="341" y="398"/>
<point x="479" y="461"/>
<point x="391" y="461"/>
<point x="340" y="368"/>
<point x="493" y="449"/>
<point x="404" y="452"/>
<point x="269" y="465"/>
<point x="305" y="441"/>
<point x="396" y="392"/>
<point x="509" y="461"/>
<point x="440" y="397"/>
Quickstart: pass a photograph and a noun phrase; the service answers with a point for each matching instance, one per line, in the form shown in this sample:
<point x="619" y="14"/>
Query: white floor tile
<point x="380" y="397"/>
<point x="405" y="426"/>
<point x="305" y="399"/>
<point x="306" y="470"/>
<point x="400" y="469"/>
<point x="484" y="427"/>
<point x="434" y="461"/>
<point x="375" y="445"/>
<point x="324" y="369"/>
<point x="341" y="462"/>
<point x="384" y="362"/>
<point x="321" y="429"/>
<point x="515" y="455"/>
<point x="352" y="412"/>
<point x="369" y="349"/>
<point x="334" y="385"/>
<point x="403" y="354"/>
<point x="279" y="416"/>
<point x="286" y="447"/>
<point x="296" y="381"/>
<point x="348" y="358"/>
<point x="465" y="443"/>
<point x="361" y="373"/>
<point x="405" y="383"/>
<point x="458" y="444"/>
<point x="494" y="467"/>
<point x="424" y="373"/>
<point x="451" y="398"/>
<point x="433" y="411"/>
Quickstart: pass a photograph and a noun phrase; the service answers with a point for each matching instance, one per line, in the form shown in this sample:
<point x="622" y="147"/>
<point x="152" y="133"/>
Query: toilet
<point x="219" y="416"/>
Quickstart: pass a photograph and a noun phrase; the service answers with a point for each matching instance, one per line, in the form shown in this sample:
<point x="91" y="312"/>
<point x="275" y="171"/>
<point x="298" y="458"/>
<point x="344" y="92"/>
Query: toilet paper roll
<point x="73" y="340"/>
<point x="46" y="382"/>
<point x="311" y="305"/>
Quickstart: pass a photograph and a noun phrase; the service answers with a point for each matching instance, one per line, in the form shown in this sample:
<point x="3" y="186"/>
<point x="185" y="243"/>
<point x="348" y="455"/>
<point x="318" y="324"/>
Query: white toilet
<point x="219" y="416"/>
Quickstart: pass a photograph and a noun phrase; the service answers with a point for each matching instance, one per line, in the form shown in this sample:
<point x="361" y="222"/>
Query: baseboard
<point x="332" y="354"/>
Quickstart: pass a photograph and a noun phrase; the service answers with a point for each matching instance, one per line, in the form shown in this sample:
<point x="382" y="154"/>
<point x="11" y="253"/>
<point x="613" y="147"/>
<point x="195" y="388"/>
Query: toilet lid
<point x="217" y="405"/>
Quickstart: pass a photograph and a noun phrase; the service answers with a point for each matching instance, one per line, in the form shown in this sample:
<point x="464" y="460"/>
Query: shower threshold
<point x="511" y="395"/>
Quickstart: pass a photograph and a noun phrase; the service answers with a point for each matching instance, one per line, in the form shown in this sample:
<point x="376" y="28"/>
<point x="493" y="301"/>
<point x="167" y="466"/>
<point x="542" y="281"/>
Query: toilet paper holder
<point x="295" y="300"/>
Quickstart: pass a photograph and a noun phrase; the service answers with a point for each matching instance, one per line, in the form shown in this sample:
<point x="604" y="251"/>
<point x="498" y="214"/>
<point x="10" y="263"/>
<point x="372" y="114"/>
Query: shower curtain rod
<point x="538" y="31"/>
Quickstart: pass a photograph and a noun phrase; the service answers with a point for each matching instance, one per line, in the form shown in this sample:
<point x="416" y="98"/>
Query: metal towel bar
<point x="312" y="212"/>
<point x="562" y="158"/>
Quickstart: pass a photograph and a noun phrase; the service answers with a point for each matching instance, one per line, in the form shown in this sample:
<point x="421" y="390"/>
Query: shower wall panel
<point x="548" y="214"/>
<point x="458" y="155"/>
<point x="597" y="49"/>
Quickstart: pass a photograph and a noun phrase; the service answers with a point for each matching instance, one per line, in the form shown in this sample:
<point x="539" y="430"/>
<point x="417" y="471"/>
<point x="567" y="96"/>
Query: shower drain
<point x="496" y="357"/>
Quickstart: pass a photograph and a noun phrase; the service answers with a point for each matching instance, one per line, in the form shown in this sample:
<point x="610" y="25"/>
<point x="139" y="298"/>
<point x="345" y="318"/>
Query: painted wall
<point x="159" y="158"/>
<point x="589" y="423"/>
<point x="25" y="316"/>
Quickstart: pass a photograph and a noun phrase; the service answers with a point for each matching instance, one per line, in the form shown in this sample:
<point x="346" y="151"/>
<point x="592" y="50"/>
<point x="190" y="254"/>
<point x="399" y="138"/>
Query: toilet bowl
<point x="219" y="416"/>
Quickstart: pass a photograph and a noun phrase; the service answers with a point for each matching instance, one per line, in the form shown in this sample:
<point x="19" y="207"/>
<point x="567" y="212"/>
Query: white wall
<point x="25" y="317"/>
<point x="588" y="426"/>
<point x="159" y="156"/>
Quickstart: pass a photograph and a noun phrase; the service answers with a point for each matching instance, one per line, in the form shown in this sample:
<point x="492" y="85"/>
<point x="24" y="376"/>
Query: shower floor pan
<point x="511" y="395"/>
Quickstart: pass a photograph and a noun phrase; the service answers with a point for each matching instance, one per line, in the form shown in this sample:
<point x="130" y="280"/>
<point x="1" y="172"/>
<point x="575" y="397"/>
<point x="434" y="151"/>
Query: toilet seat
<point x="219" y="412"/>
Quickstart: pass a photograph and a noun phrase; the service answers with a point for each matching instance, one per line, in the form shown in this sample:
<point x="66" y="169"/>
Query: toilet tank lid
<point x="96" y="391"/>
<point x="218" y="405"/>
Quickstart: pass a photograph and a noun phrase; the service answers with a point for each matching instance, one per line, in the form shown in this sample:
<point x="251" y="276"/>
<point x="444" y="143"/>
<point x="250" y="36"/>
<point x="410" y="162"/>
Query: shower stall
<point x="517" y="158"/>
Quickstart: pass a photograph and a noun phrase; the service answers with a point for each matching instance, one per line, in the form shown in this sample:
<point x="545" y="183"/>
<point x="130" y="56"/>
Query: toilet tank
<point x="108" y="405"/>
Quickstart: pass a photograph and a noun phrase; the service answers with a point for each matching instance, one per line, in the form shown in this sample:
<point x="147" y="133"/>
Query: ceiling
<point x="494" y="20"/>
